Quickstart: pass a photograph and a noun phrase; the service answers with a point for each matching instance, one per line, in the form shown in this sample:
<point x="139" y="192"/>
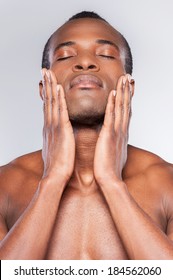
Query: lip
<point x="86" y="81"/>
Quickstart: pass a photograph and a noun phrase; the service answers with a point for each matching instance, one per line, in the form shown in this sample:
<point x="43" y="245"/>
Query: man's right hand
<point x="58" y="139"/>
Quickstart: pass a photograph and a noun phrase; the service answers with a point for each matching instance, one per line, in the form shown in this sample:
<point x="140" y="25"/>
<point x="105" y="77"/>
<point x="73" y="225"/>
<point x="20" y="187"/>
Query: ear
<point x="41" y="89"/>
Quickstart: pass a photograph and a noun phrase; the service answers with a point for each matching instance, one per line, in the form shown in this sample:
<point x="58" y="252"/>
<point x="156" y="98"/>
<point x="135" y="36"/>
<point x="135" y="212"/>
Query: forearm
<point x="29" y="237"/>
<point x="141" y="237"/>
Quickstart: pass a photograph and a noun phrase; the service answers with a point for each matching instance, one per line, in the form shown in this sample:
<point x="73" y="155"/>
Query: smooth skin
<point x="87" y="194"/>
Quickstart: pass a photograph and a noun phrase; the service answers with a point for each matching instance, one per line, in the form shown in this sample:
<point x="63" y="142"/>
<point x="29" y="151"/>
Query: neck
<point x="85" y="140"/>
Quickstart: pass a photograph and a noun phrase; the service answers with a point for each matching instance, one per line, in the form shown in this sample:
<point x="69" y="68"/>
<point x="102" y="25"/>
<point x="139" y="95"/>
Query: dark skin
<point x="87" y="194"/>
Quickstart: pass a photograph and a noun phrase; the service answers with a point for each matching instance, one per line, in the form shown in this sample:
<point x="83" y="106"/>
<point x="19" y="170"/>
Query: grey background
<point x="25" y="27"/>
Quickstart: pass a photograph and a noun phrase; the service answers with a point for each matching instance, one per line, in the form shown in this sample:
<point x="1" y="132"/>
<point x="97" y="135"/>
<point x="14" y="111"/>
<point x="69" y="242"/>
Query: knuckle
<point x="116" y="134"/>
<point x="121" y="106"/>
<point x="45" y="107"/>
<point x="63" y="108"/>
<point x="53" y="100"/>
<point x="123" y="134"/>
<point x="128" y="105"/>
<point x="127" y="110"/>
<point x="54" y="125"/>
<point x="46" y="99"/>
<point x="46" y="128"/>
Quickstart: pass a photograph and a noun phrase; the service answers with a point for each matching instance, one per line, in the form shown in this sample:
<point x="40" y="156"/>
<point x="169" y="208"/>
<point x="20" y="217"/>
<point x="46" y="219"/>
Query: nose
<point x="86" y="62"/>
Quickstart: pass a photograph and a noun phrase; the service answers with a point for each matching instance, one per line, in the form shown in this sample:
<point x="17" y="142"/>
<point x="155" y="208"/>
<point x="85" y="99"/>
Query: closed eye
<point x="107" y="56"/>
<point x="63" y="58"/>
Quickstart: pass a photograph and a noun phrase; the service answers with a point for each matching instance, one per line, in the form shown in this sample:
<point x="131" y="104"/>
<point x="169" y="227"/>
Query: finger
<point x="109" y="113"/>
<point x="54" y="99"/>
<point x="132" y="86"/>
<point x="47" y="98"/>
<point x="127" y="105"/>
<point x="43" y="73"/>
<point x="63" y="112"/>
<point x="119" y="103"/>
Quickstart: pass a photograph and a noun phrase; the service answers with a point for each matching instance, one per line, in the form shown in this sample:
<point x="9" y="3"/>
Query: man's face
<point x="86" y="59"/>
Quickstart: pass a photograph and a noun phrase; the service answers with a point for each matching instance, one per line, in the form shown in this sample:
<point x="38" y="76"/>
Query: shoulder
<point x="148" y="163"/>
<point x="17" y="182"/>
<point x="156" y="172"/>
<point x="13" y="173"/>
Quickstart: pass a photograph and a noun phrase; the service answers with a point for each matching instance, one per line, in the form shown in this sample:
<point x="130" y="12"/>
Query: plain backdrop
<point x="25" y="27"/>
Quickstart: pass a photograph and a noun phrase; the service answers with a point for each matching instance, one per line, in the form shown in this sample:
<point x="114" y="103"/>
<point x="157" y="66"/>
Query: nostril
<point x="92" y="67"/>
<point x="78" y="67"/>
<point x="85" y="66"/>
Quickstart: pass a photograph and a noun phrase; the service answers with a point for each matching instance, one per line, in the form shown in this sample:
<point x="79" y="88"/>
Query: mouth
<point x="86" y="82"/>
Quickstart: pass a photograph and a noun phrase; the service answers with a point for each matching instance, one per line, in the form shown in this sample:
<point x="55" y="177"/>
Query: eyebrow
<point x="64" y="44"/>
<point x="107" y="42"/>
<point x="99" y="41"/>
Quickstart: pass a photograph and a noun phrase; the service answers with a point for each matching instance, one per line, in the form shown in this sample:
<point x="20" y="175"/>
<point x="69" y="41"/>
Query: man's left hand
<point x="111" y="148"/>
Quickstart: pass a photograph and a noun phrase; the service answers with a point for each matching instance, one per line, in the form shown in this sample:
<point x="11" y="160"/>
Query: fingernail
<point x="58" y="88"/>
<point x="114" y="92"/>
<point x="124" y="80"/>
<point x="48" y="75"/>
<point x="42" y="74"/>
<point x="129" y="77"/>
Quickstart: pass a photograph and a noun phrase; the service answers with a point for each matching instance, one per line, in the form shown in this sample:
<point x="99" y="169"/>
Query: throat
<point x="83" y="174"/>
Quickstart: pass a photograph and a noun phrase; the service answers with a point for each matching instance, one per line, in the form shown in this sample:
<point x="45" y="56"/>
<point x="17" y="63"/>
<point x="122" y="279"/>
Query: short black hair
<point x="86" y="14"/>
<point x="128" y="64"/>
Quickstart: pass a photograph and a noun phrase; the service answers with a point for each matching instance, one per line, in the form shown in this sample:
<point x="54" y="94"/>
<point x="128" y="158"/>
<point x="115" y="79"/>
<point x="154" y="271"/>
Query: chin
<point x="87" y="119"/>
<point x="86" y="107"/>
<point x="85" y="111"/>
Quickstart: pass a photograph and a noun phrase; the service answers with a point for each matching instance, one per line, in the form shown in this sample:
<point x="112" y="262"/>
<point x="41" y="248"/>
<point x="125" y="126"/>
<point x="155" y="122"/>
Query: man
<point x="87" y="194"/>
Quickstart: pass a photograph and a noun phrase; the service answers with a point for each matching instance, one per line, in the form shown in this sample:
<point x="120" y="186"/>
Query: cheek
<point x="60" y="74"/>
<point x="113" y="73"/>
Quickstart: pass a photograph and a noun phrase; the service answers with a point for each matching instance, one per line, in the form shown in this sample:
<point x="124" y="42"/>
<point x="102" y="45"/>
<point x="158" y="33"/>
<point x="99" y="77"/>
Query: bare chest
<point x="84" y="228"/>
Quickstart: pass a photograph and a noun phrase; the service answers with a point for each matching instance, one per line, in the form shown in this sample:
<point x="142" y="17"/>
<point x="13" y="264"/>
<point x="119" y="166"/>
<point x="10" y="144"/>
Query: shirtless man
<point x="87" y="194"/>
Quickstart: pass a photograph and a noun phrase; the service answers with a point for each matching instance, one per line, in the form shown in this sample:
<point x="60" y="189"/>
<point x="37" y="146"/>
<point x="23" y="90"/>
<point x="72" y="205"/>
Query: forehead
<point x="86" y="30"/>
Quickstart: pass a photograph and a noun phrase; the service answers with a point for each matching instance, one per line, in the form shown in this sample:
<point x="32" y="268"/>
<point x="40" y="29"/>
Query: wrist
<point x="49" y="181"/>
<point x="111" y="182"/>
<point x="112" y="185"/>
